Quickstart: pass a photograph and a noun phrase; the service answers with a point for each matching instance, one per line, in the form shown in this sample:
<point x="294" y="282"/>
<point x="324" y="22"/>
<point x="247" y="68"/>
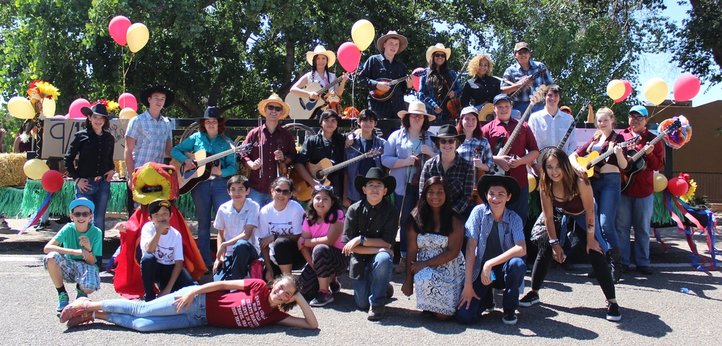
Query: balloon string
<point x="125" y="71"/>
<point x="661" y="110"/>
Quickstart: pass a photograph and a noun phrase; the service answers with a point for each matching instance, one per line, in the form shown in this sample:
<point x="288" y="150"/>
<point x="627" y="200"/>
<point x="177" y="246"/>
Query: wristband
<point x="553" y="242"/>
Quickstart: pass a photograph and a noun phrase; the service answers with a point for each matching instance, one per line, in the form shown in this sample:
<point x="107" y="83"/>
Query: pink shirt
<point x="321" y="229"/>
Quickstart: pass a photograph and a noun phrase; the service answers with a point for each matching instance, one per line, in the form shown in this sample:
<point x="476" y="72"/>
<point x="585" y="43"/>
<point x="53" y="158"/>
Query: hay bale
<point x="12" y="173"/>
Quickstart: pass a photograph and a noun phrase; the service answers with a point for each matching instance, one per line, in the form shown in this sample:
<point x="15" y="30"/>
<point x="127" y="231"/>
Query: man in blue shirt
<point x="526" y="75"/>
<point x="380" y="69"/>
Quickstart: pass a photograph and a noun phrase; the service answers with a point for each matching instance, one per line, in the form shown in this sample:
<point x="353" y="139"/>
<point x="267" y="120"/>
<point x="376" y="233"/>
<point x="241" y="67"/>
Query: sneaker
<point x="335" y="286"/>
<point x="509" y="317"/>
<point x="42" y="226"/>
<point x="73" y="310"/>
<point x="389" y="291"/>
<point x="645" y="270"/>
<point x="63" y="300"/>
<point x="80" y="294"/>
<point x="322" y="298"/>
<point x="529" y="299"/>
<point x="613" y="312"/>
<point x="80" y="319"/>
<point x="376" y="313"/>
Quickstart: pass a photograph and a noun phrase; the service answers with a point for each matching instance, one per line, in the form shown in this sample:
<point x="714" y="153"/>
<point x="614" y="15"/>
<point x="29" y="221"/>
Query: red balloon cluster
<point x="678" y="186"/>
<point x="52" y="181"/>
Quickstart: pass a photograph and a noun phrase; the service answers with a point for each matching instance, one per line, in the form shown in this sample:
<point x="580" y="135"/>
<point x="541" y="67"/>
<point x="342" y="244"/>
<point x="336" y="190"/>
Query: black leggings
<point x="598" y="261"/>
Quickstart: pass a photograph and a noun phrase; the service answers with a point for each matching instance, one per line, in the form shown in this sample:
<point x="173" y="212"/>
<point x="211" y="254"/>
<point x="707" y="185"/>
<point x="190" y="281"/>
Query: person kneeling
<point x="498" y="259"/>
<point x="162" y="248"/>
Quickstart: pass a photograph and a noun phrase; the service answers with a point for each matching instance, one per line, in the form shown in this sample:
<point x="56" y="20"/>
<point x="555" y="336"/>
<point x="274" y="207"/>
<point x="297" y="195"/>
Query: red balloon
<point x="349" y="56"/>
<point x="677" y="186"/>
<point x="627" y="91"/>
<point x="127" y="100"/>
<point x="416" y="79"/>
<point x="52" y="181"/>
<point x="686" y="87"/>
<point x="117" y="28"/>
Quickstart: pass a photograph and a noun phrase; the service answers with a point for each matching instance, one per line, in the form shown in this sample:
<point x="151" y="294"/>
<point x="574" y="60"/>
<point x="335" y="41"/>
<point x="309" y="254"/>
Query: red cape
<point x="128" y="281"/>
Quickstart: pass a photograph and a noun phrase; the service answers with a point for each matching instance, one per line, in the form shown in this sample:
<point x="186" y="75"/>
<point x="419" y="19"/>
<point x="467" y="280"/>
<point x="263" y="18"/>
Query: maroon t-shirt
<point x="247" y="308"/>
<point x="496" y="129"/>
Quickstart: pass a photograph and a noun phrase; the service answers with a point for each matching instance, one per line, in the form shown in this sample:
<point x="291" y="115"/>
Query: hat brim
<point x="433" y="49"/>
<point x="403" y="42"/>
<point x="169" y="96"/>
<point x="401" y="114"/>
<point x="459" y="137"/>
<point x="488" y="180"/>
<point x="331" y="56"/>
<point x="388" y="181"/>
<point x="89" y="112"/>
<point x="262" y="107"/>
<point x="82" y="203"/>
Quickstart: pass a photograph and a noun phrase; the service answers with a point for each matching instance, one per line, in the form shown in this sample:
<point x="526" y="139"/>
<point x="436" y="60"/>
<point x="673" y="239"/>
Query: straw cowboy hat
<point x="403" y="42"/>
<point x="169" y="96"/>
<point x="274" y="99"/>
<point x="437" y="48"/>
<point x="331" y="56"/>
<point x="416" y="107"/>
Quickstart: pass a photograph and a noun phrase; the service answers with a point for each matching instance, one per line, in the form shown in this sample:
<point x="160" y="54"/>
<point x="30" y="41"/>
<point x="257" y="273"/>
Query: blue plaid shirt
<point x="478" y="227"/>
<point x="514" y="73"/>
<point x="150" y="137"/>
<point x="468" y="149"/>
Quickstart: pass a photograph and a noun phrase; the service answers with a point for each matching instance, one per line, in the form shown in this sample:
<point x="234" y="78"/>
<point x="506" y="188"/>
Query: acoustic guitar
<point x="188" y="179"/>
<point x="589" y="161"/>
<point x="303" y="107"/>
<point x="382" y="96"/>
<point x="321" y="170"/>
<point x="636" y="163"/>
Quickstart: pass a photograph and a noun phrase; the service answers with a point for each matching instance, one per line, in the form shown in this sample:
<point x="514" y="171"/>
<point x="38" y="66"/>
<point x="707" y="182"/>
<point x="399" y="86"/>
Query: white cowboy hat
<point x="403" y="42"/>
<point x="417" y="107"/>
<point x="437" y="48"/>
<point x="331" y="56"/>
<point x="274" y="99"/>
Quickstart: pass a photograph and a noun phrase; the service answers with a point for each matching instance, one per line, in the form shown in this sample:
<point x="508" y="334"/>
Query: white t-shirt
<point x="232" y="222"/>
<point x="284" y="222"/>
<point x="170" y="245"/>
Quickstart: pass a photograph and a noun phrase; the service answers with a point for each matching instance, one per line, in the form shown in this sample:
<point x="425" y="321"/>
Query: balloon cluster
<point x="349" y="53"/>
<point x="135" y="36"/>
<point x="680" y="185"/>
<point x="680" y="136"/>
<point x="618" y="90"/>
<point x="655" y="90"/>
<point x="41" y="100"/>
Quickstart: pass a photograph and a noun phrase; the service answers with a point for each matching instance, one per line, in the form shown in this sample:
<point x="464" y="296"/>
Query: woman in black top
<point x="482" y="87"/>
<point x="93" y="169"/>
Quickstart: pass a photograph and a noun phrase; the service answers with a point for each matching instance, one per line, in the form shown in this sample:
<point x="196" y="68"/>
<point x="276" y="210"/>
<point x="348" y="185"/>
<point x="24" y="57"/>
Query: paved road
<point x="572" y="310"/>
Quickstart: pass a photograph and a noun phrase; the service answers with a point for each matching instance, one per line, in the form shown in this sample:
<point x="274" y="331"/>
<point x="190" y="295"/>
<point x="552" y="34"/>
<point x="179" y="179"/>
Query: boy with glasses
<point x="73" y="252"/>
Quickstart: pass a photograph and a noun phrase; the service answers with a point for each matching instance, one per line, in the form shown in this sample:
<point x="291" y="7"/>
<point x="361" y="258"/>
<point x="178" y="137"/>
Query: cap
<point x="84" y="202"/>
<point x="641" y="110"/>
<point x="155" y="206"/>
<point x="521" y="45"/>
<point x="469" y="109"/>
<point x="501" y="97"/>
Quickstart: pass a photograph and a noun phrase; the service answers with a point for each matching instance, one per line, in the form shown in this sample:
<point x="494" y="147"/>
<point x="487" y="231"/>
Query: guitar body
<point x="633" y="167"/>
<point x="187" y="180"/>
<point x="585" y="161"/>
<point x="303" y="107"/>
<point x="486" y="111"/>
<point x="382" y="96"/>
<point x="303" y="190"/>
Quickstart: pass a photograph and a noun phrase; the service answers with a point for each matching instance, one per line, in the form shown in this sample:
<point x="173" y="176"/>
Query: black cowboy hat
<point x="375" y="173"/>
<point x="98" y="109"/>
<point x="447" y="131"/>
<point x="169" y="96"/>
<point x="489" y="180"/>
<point x="212" y="112"/>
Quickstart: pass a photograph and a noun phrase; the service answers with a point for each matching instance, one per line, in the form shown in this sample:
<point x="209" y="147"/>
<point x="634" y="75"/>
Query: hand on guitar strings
<point x="189" y="164"/>
<point x="383" y="86"/>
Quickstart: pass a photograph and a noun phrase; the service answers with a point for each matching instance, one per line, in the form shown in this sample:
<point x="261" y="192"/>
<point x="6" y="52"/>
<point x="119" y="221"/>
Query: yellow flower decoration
<point x="47" y="90"/>
<point x="112" y="106"/>
<point x="687" y="197"/>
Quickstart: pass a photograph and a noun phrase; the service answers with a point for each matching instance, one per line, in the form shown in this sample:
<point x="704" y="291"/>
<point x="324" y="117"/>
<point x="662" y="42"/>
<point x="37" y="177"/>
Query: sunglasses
<point x="284" y="192"/>
<point x="82" y="213"/>
<point x="447" y="140"/>
<point x="439" y="55"/>
<point x="320" y="187"/>
<point x="415" y="116"/>
<point x="274" y="108"/>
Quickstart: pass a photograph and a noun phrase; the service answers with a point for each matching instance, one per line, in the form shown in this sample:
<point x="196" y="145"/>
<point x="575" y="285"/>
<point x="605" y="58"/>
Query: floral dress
<point x="438" y="287"/>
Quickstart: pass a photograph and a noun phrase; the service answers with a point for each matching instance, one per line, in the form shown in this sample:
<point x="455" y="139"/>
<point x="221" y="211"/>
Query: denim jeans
<point x="405" y="206"/>
<point x="607" y="192"/>
<point x="521" y="205"/>
<point x="581" y="222"/>
<point x="260" y="197"/>
<point x="98" y="192"/>
<point x="371" y="290"/>
<point x="634" y="213"/>
<point x="157" y="315"/>
<point x="208" y="197"/>
<point x="512" y="273"/>
<point x="236" y="266"/>
<point x="153" y="272"/>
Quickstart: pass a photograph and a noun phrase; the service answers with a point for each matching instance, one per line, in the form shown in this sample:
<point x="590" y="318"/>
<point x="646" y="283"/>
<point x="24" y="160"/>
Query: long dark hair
<point x="423" y="215"/>
<point x="293" y="280"/>
<point x="460" y="127"/>
<point x="221" y="126"/>
<point x="406" y="123"/>
<point x="569" y="174"/>
<point x="439" y="77"/>
<point x="325" y="68"/>
<point x="89" y="125"/>
<point x="332" y="215"/>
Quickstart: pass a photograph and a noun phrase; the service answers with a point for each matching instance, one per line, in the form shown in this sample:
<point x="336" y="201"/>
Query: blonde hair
<point x="608" y="112"/>
<point x="474" y="65"/>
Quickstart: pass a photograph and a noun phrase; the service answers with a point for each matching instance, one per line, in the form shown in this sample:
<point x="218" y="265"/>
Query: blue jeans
<point x="513" y="274"/>
<point x="521" y="205"/>
<point x="607" y="192"/>
<point x="581" y="221"/>
<point x="405" y="206"/>
<point x="157" y="315"/>
<point x="371" y="290"/>
<point x="98" y="192"/>
<point x="637" y="213"/>
<point x="153" y="272"/>
<point x="260" y="197"/>
<point x="208" y="197"/>
<point x="236" y="266"/>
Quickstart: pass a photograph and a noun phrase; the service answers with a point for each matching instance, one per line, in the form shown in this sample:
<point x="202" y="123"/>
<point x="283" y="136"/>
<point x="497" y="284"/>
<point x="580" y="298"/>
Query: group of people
<point x="459" y="235"/>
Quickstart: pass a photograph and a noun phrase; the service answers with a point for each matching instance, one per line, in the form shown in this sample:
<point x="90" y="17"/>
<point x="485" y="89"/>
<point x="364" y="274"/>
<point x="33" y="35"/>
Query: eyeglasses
<point x="415" y="116"/>
<point x="447" y="140"/>
<point x="284" y="192"/>
<point x="319" y="187"/>
<point x="439" y="55"/>
<point x="274" y="108"/>
<point x="82" y="213"/>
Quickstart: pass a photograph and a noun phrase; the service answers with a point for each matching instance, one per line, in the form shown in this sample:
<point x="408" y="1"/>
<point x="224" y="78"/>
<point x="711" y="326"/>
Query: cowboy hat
<point x="437" y="48"/>
<point x="322" y="51"/>
<point x="97" y="109"/>
<point x="169" y="96"/>
<point x="403" y="42"/>
<point x="447" y="131"/>
<point x="416" y="107"/>
<point x="489" y="180"/>
<point x="375" y="173"/>
<point x="211" y="112"/>
<point x="274" y="98"/>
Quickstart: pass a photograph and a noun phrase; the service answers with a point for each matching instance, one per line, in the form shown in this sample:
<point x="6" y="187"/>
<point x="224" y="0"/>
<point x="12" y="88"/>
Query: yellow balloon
<point x="532" y="182"/>
<point x="660" y="182"/>
<point x="21" y="108"/>
<point x="615" y="89"/>
<point x="363" y="33"/>
<point x="656" y="90"/>
<point x="35" y="168"/>
<point x="137" y="36"/>
<point x="127" y="113"/>
<point x="48" y="107"/>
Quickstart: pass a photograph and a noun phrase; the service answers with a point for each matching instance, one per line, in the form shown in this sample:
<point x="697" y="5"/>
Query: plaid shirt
<point x="514" y="72"/>
<point x="459" y="180"/>
<point x="468" y="148"/>
<point x="479" y="225"/>
<point x="150" y="137"/>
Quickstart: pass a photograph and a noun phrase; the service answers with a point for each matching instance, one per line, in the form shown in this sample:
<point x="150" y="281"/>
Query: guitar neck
<point x="507" y="146"/>
<point x="652" y="142"/>
<point x="342" y="165"/>
<point x="329" y="86"/>
<point x="214" y="157"/>
<point x="566" y="135"/>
